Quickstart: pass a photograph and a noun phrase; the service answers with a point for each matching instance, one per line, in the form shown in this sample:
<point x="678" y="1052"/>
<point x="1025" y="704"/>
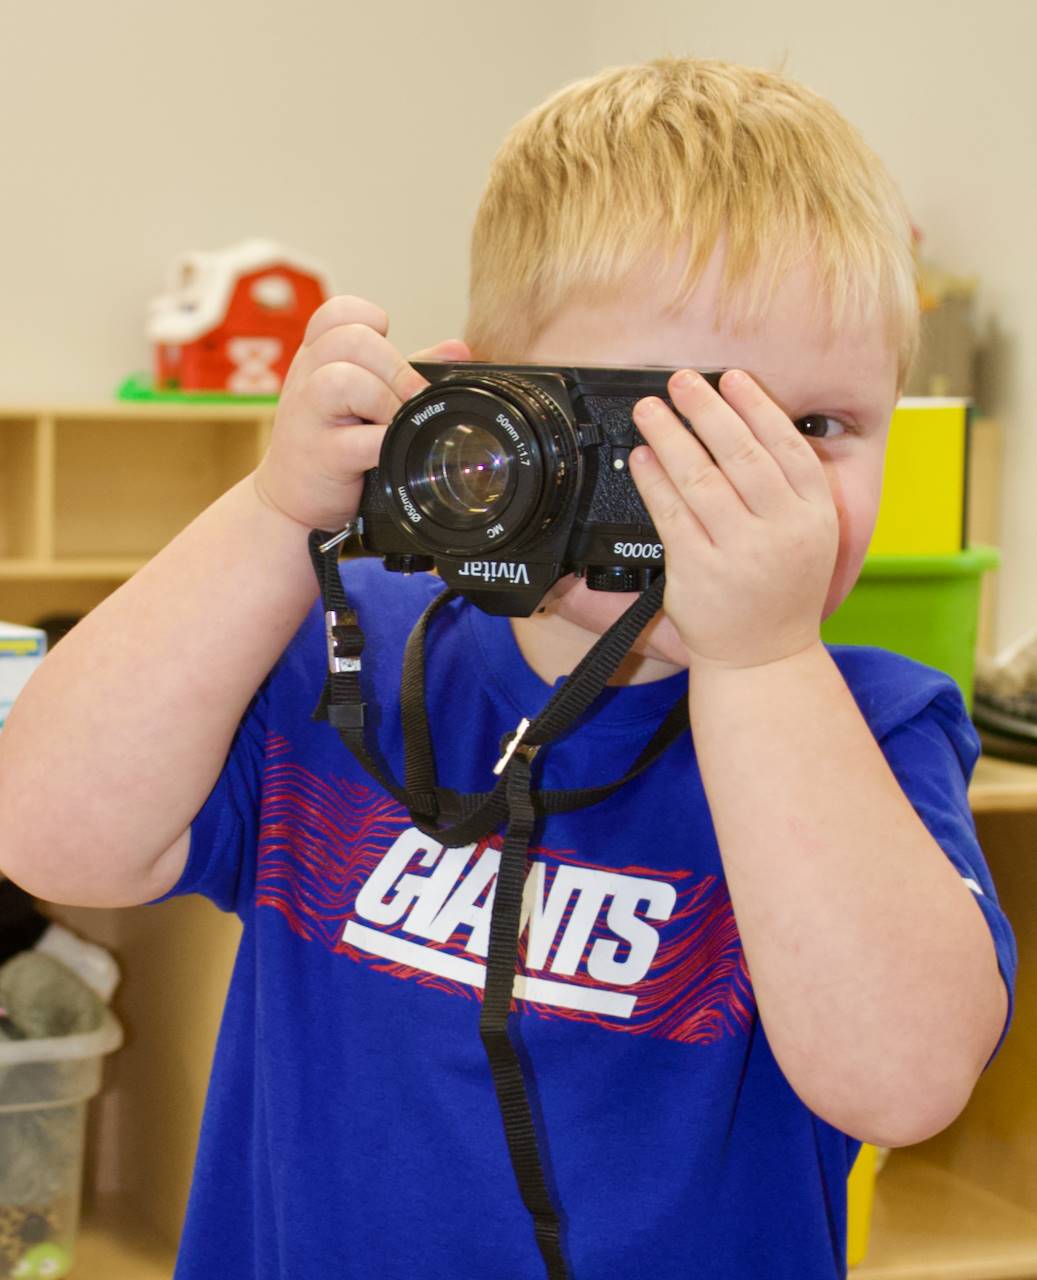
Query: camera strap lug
<point x="354" y="526"/>
<point x="590" y="433"/>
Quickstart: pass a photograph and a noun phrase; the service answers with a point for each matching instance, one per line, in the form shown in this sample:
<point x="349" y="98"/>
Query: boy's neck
<point x="553" y="646"/>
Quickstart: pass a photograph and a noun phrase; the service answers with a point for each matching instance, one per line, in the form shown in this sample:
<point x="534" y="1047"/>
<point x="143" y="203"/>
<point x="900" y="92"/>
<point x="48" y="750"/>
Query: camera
<point x="505" y="478"/>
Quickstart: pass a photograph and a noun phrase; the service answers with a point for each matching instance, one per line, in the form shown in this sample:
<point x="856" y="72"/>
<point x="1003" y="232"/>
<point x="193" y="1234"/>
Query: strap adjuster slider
<point x="514" y="740"/>
<point x="344" y="640"/>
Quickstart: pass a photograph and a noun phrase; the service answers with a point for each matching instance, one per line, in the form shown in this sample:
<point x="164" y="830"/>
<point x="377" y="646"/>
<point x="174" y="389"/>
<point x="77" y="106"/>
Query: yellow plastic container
<point x="924" y="486"/>
<point x="860" y="1191"/>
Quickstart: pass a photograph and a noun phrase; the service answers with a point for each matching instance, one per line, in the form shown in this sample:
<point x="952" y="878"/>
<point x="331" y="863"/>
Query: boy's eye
<point x="818" y="426"/>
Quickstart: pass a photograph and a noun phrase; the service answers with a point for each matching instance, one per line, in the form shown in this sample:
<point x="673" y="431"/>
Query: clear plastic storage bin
<point x="44" y="1088"/>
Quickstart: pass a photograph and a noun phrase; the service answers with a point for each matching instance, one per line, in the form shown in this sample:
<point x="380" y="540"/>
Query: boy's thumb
<point x="451" y="349"/>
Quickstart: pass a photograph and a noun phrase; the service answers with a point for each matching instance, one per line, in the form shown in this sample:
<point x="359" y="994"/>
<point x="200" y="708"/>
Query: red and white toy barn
<point x="231" y="320"/>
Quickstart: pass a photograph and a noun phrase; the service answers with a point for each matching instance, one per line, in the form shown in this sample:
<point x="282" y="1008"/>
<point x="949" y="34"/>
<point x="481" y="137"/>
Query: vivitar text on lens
<point x="429" y="411"/>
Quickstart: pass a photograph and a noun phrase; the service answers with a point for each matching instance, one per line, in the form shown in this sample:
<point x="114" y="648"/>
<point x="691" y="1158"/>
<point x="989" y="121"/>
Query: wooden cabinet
<point x="87" y="495"/>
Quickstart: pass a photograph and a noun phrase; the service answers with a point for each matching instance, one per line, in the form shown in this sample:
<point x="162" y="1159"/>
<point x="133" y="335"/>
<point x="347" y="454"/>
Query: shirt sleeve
<point x="221" y="861"/>
<point x="933" y="755"/>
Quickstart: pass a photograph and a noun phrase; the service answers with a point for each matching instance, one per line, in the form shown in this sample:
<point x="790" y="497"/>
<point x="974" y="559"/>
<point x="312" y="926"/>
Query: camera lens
<point x="466" y="473"/>
<point x="478" y="460"/>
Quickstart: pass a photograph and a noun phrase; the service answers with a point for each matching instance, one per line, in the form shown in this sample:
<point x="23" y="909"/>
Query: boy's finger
<point x="359" y="344"/>
<point x="359" y="452"/>
<point x="346" y="393"/>
<point x="345" y="309"/>
<point x="450" y="349"/>
<point x="742" y="457"/>
<point x="773" y="428"/>
<point x="676" y="524"/>
<point x="695" y="477"/>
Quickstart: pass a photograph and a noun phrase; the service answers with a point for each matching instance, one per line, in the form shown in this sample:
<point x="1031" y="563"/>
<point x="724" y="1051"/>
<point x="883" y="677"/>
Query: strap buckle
<point x="514" y="743"/>
<point x="344" y="640"/>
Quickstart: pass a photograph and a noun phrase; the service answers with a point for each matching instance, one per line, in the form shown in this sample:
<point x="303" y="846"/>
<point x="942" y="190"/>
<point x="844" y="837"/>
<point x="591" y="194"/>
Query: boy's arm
<point x="874" y="971"/>
<point x="117" y="740"/>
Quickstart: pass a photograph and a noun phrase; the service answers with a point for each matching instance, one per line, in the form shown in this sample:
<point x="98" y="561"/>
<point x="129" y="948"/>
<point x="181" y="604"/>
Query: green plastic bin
<point x="925" y="607"/>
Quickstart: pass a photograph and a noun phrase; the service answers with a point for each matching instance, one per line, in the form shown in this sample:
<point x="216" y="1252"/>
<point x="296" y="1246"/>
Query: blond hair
<point x="673" y="155"/>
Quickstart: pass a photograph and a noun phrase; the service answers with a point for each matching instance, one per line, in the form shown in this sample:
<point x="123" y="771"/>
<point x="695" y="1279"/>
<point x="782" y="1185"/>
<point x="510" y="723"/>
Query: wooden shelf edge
<point x="139" y="410"/>
<point x="101" y="569"/>
<point x="1003" y="786"/>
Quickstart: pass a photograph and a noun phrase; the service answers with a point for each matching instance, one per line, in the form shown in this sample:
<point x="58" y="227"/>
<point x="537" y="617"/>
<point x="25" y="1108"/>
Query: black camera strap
<point x="455" y="819"/>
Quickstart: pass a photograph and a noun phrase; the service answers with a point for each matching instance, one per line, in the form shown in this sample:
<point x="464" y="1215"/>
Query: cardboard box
<point x="21" y="652"/>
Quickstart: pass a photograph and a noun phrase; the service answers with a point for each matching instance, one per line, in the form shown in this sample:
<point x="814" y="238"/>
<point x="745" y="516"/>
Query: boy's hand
<point x="344" y="385"/>
<point x="750" y="533"/>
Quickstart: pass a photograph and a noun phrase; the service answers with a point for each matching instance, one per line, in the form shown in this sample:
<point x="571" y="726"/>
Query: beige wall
<point x="130" y="130"/>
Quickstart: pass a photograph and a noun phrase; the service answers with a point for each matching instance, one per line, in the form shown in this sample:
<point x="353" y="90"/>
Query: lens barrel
<point x="477" y="463"/>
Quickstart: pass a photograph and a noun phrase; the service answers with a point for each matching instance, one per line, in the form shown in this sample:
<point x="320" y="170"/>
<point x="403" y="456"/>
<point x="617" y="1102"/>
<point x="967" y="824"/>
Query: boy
<point x="778" y="940"/>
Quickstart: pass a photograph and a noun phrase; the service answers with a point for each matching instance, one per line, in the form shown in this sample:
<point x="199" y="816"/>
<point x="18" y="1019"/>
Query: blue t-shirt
<point x="351" y="1127"/>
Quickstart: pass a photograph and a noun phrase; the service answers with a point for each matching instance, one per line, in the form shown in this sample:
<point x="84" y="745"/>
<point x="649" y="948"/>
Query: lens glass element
<point x="465" y="472"/>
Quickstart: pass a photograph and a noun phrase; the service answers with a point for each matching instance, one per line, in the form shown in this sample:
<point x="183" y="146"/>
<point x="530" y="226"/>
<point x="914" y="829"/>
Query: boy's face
<point x="850" y="379"/>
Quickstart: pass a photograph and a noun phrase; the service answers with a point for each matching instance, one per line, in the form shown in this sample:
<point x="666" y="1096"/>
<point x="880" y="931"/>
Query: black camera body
<point x="505" y="478"/>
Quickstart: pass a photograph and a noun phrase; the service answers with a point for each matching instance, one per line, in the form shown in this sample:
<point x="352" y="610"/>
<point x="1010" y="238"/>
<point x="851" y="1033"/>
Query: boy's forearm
<point x="874" y="972"/>
<point x="119" y="736"/>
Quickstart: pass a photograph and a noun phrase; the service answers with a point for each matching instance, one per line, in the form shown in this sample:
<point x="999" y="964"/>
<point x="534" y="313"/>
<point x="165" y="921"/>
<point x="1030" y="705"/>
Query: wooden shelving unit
<point x="115" y="1244"/>
<point x="1002" y="786"/>
<point x="87" y="495"/>
<point x="931" y="1225"/>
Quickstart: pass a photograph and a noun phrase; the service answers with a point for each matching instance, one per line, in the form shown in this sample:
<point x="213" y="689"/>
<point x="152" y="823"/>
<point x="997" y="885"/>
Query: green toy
<point x="48" y="1261"/>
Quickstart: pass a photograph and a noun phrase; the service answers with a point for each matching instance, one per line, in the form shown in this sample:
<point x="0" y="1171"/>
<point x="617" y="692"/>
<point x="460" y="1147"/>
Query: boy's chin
<point x="595" y="611"/>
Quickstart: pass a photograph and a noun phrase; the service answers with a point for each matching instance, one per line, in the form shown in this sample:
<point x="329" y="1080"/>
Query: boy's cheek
<point x="660" y="640"/>
<point x="841" y="586"/>
<point x="570" y="598"/>
<point x="856" y="485"/>
<point x="855" y="531"/>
